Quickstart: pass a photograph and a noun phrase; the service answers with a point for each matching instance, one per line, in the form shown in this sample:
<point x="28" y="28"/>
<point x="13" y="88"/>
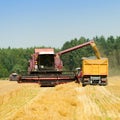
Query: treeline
<point x="16" y="59"/>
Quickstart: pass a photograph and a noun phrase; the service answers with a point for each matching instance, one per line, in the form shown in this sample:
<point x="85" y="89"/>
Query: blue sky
<point x="29" y="23"/>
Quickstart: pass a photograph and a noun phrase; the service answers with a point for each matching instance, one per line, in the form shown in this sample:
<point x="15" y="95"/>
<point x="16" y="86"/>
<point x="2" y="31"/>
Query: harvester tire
<point x="19" y="80"/>
<point x="83" y="85"/>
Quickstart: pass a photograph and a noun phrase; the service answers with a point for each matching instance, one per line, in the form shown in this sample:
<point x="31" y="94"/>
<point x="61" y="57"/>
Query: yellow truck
<point x="94" y="71"/>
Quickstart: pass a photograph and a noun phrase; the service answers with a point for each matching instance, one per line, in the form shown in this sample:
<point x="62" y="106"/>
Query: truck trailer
<point x="94" y="71"/>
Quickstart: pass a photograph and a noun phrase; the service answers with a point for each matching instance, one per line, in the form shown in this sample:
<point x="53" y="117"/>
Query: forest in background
<point x="16" y="59"/>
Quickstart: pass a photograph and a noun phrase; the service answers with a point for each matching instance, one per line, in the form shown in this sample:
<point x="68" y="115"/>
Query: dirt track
<point x="64" y="102"/>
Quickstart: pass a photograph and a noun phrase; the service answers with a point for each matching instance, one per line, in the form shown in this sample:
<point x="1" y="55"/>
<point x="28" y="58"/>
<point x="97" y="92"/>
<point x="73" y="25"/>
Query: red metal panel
<point x="76" y="47"/>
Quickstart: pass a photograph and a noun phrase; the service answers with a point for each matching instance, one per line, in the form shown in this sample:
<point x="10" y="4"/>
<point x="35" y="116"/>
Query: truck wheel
<point x="103" y="84"/>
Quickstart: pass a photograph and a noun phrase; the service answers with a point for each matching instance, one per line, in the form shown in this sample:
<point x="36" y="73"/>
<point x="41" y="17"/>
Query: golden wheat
<point x="14" y="97"/>
<point x="64" y="102"/>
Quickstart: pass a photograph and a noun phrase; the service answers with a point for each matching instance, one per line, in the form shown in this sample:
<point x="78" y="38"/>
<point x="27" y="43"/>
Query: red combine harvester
<point x="45" y="67"/>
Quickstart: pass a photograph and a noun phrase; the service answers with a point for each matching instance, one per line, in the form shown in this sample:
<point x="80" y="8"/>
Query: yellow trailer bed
<point x="95" y="66"/>
<point x="94" y="71"/>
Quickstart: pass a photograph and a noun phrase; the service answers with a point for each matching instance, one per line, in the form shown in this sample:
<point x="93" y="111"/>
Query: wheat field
<point x="64" y="102"/>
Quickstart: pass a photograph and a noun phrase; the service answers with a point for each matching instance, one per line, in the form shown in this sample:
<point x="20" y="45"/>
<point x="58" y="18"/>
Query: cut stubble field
<point x="29" y="101"/>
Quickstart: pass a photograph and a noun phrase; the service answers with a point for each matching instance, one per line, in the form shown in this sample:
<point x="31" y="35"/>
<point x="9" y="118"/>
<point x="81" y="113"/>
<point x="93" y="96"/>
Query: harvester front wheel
<point x="19" y="79"/>
<point x="83" y="84"/>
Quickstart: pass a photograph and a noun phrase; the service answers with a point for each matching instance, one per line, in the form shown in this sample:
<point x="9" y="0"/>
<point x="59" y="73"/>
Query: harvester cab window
<point x="46" y="61"/>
